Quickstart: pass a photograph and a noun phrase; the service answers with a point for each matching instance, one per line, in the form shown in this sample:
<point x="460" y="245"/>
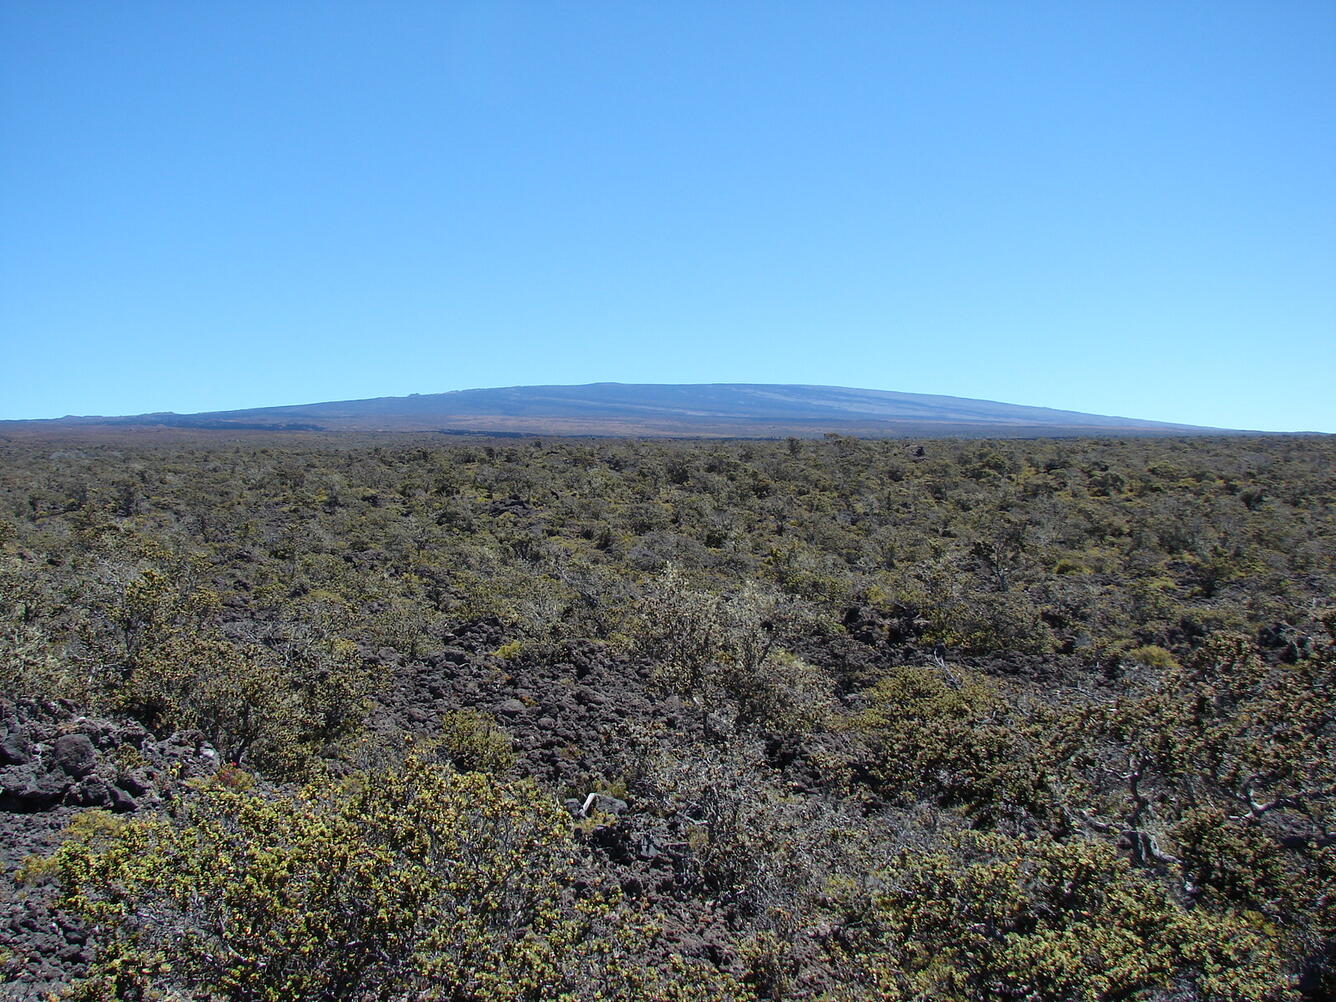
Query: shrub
<point x="473" y="742"/>
<point x="1153" y="656"/>
<point x="509" y="650"/>
<point x="949" y="734"/>
<point x="724" y="653"/>
<point x="1048" y="921"/>
<point x="765" y="852"/>
<point x="416" y="882"/>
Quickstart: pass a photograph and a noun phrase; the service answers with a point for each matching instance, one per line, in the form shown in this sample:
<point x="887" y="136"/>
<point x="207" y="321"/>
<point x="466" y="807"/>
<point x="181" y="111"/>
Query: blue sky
<point x="1116" y="207"/>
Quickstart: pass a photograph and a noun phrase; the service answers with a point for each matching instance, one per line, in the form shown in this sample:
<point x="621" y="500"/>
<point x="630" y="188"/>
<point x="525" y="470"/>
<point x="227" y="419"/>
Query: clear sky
<point x="1108" y="206"/>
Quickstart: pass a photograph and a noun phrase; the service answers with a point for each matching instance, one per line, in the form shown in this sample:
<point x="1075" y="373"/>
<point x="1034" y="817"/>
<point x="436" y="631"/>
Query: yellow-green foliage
<point x="241" y="588"/>
<point x="473" y="742"/>
<point x="416" y="882"/>
<point x="175" y="670"/>
<point x="1224" y="768"/>
<point x="723" y="652"/>
<point x="509" y="650"/>
<point x="1048" y="921"/>
<point x="29" y="665"/>
<point x="947" y="732"/>
<point x="1152" y="656"/>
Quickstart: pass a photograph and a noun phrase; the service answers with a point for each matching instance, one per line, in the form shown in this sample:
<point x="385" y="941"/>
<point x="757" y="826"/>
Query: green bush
<point x="951" y="734"/>
<point x="473" y="742"/>
<point x="416" y="882"/>
<point x="1001" y="918"/>
<point x="724" y="653"/>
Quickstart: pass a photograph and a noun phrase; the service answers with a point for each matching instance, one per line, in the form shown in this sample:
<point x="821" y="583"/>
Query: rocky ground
<point x="55" y="763"/>
<point x="577" y="719"/>
<point x="583" y="720"/>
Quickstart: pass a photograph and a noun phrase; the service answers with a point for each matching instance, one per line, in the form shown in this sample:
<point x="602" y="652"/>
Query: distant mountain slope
<point x="644" y="409"/>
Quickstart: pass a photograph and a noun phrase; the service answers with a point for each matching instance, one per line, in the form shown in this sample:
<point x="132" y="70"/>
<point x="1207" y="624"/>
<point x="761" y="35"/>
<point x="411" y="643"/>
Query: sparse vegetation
<point x="577" y="720"/>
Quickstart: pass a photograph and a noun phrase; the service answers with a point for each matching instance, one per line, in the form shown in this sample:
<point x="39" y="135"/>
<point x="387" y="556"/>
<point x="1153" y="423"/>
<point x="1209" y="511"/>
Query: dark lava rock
<point x="15" y="747"/>
<point x="74" y="754"/>
<point x="136" y="782"/>
<point x="602" y="803"/>
<point x="28" y="788"/>
<point x="55" y="763"/>
<point x="90" y="792"/>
